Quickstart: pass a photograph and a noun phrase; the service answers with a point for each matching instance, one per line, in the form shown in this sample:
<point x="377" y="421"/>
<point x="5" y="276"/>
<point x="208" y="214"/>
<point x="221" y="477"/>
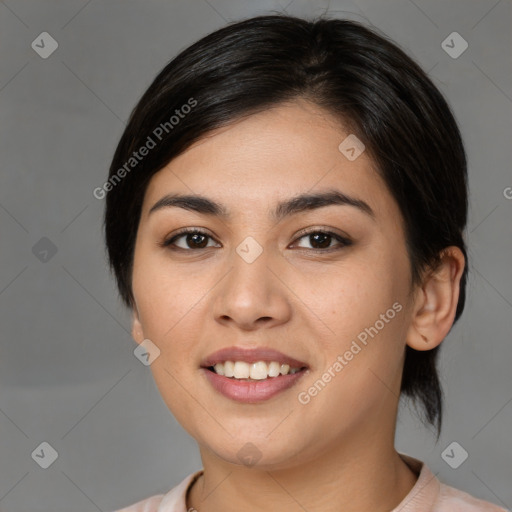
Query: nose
<point x="253" y="293"/>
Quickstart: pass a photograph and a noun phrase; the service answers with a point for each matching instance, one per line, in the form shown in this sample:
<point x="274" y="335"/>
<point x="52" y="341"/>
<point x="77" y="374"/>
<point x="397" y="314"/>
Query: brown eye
<point x="192" y="239"/>
<point x="322" y="240"/>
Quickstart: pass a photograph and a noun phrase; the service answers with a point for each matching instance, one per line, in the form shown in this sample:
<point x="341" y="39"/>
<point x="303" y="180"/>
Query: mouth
<point x="260" y="370"/>
<point x="250" y="376"/>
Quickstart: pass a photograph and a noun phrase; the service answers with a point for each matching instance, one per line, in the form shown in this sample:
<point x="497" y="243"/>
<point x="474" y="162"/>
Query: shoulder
<point x="429" y="494"/>
<point x="454" y="500"/>
<point x="173" y="501"/>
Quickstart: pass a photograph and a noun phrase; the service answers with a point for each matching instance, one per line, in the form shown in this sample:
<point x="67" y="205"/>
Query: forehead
<point x="283" y="151"/>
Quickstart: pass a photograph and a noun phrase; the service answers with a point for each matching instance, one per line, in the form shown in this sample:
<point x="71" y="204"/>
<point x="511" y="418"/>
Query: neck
<point x="362" y="473"/>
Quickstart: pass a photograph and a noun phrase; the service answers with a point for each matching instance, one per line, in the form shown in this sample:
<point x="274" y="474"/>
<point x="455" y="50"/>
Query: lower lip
<point x="252" y="391"/>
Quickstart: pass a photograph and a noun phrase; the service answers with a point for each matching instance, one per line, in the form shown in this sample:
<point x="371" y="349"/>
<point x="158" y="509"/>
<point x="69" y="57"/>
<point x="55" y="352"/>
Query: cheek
<point x="162" y="297"/>
<point x="356" y="292"/>
<point x="363" y="305"/>
<point x="165" y="300"/>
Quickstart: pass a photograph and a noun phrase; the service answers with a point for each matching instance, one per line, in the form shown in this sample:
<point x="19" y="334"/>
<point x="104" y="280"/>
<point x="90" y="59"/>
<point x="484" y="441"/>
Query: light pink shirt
<point x="427" y="495"/>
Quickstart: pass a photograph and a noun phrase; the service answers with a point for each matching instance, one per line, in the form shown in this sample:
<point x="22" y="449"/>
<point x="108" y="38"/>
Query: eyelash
<point x="344" y="242"/>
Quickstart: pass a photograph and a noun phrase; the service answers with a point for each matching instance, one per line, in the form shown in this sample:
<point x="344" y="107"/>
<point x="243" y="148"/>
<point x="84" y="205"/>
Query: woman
<point x="285" y="214"/>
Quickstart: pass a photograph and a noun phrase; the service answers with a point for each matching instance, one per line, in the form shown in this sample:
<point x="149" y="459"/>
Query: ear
<point x="137" y="332"/>
<point x="436" y="302"/>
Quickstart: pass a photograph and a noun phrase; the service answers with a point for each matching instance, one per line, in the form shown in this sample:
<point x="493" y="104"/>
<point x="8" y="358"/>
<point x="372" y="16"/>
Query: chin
<point x="258" y="452"/>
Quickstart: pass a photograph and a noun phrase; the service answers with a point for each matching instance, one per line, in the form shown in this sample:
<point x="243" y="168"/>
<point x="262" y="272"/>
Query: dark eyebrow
<point x="297" y="204"/>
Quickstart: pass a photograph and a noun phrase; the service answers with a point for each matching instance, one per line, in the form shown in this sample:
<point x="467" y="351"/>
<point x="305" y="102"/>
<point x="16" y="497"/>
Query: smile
<point x="253" y="371"/>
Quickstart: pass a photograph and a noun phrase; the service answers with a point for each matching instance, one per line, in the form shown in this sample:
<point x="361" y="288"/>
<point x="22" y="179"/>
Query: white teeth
<point x="259" y="371"/>
<point x="219" y="369"/>
<point x="274" y="369"/>
<point x="229" y="368"/>
<point x="254" y="371"/>
<point x="242" y="370"/>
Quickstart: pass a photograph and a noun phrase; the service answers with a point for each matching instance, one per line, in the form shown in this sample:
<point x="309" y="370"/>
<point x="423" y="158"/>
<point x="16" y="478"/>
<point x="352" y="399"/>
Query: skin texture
<point x="337" y="451"/>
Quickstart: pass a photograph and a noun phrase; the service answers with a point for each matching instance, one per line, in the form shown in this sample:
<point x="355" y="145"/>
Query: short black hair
<point x="353" y="72"/>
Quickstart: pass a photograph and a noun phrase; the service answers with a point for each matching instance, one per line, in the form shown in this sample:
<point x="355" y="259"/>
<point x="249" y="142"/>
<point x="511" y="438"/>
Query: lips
<point x="251" y="356"/>
<point x="250" y="392"/>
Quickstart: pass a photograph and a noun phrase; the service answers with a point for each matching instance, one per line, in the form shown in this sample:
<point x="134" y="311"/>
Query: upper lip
<point x="250" y="355"/>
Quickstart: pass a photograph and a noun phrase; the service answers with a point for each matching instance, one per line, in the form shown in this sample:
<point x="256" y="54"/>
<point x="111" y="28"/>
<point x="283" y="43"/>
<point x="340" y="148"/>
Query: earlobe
<point x="137" y="332"/>
<point x="436" y="302"/>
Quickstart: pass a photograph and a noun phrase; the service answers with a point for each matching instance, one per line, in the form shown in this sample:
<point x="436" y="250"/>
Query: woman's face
<point x="254" y="280"/>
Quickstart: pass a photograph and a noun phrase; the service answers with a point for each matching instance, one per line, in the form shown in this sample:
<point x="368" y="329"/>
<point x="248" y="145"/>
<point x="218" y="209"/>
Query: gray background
<point x="68" y="375"/>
